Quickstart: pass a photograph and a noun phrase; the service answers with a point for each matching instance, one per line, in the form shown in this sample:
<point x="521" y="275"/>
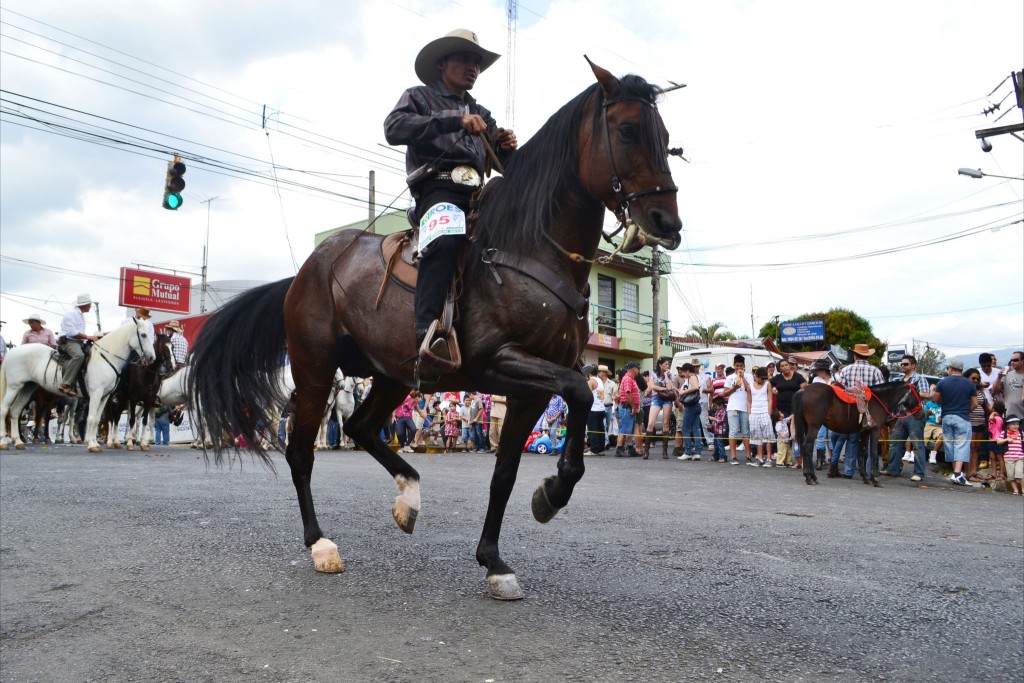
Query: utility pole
<point x="99" y="325"/>
<point x="656" y="304"/>
<point x="371" y="212"/>
<point x="206" y="248"/>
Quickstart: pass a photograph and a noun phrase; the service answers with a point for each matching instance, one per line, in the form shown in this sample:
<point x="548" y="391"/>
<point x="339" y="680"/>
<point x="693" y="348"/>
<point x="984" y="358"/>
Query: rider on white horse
<point x="72" y="338"/>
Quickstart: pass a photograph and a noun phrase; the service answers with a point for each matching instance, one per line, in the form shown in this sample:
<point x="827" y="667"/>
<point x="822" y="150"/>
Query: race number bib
<point x="440" y="220"/>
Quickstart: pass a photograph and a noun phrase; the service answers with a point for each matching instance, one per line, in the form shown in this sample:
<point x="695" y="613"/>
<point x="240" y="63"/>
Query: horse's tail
<point x="235" y="362"/>
<point x="799" y="420"/>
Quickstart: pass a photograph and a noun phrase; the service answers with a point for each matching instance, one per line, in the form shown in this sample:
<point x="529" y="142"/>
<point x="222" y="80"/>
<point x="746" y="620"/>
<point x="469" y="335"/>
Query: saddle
<point x="845" y="396"/>
<point x="398" y="253"/>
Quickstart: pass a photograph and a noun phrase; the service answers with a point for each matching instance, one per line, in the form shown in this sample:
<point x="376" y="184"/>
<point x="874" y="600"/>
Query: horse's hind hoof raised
<point x="543" y="510"/>
<point x="326" y="558"/>
<point x="504" y="587"/>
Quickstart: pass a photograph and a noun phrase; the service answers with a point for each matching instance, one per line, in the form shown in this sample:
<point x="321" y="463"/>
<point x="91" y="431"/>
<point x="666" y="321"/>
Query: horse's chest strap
<point x="555" y="283"/>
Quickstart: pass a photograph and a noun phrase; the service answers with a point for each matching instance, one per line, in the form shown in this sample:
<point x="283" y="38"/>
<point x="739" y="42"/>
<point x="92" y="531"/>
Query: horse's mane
<point x="516" y="211"/>
<point x="119" y="336"/>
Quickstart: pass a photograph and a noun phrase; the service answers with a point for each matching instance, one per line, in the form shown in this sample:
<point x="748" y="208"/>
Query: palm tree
<point x="709" y="334"/>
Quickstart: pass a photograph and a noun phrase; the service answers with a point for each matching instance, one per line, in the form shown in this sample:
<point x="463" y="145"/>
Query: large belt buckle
<point x="465" y="175"/>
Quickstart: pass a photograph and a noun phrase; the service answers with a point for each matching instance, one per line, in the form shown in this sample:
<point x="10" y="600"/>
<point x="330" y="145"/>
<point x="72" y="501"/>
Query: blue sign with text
<point x="800" y="331"/>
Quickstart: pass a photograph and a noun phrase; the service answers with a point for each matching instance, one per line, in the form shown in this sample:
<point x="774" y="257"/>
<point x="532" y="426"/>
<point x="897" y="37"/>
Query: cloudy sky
<point x="824" y="142"/>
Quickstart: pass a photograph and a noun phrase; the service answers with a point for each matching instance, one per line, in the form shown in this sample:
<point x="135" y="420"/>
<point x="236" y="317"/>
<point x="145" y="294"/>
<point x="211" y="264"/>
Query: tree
<point x="710" y="334"/>
<point x="929" y="359"/>
<point x="843" y="328"/>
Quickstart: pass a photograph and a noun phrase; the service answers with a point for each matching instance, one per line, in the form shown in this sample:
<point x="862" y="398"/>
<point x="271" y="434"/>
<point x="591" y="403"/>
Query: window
<point x="605" y="313"/>
<point x="630" y="302"/>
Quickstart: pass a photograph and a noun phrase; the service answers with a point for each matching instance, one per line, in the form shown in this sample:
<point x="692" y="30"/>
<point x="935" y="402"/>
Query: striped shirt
<point x="428" y="120"/>
<point x="1013" y="449"/>
<point x="629" y="392"/>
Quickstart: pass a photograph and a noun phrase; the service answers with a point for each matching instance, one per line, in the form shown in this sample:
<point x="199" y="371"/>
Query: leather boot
<point x="647" y="444"/>
<point x="664" y="449"/>
<point x="821" y="458"/>
<point x="620" y="452"/>
<point x="833" y="470"/>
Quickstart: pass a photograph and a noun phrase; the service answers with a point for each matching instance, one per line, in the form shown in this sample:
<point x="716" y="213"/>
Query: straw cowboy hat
<point x="173" y="325"/>
<point x="83" y="300"/>
<point x="603" y="368"/>
<point x="863" y="350"/>
<point x="143" y="312"/>
<point x="34" y="316"/>
<point x="459" y="40"/>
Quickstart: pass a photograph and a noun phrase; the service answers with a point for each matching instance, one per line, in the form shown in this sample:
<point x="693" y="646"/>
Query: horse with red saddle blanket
<point x="825" y="404"/>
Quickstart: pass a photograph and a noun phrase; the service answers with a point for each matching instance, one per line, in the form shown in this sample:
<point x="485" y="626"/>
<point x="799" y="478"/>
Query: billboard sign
<point x="799" y="331"/>
<point x="158" y="291"/>
<point x="894" y="354"/>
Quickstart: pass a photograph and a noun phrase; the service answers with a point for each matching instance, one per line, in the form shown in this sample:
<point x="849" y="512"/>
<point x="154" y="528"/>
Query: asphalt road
<point x="133" y="567"/>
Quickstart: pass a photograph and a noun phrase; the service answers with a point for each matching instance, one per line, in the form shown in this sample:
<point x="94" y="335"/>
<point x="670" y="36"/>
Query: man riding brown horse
<point x="447" y="134"/>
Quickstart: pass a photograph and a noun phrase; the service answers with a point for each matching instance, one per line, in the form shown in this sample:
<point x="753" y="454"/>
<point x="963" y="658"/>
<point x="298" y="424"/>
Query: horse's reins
<point x="901" y="412"/>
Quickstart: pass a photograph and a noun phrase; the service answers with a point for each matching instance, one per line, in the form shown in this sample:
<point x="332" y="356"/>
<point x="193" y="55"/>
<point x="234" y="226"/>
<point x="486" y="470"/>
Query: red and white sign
<point x="158" y="291"/>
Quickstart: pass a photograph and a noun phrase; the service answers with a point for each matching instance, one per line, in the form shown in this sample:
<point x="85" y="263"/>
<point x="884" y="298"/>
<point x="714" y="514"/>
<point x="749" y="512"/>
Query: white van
<point x="711" y="356"/>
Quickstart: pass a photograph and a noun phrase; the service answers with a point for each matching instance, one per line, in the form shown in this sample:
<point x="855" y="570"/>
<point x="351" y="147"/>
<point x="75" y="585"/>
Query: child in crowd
<point x="784" y="444"/>
<point x="718" y="425"/>
<point x="452" y="427"/>
<point x="991" y="449"/>
<point x="760" y="419"/>
<point x="1014" y="457"/>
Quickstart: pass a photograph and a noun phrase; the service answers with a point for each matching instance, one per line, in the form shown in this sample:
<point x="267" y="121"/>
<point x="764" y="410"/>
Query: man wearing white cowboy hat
<point x="37" y="334"/>
<point x="857" y="375"/>
<point x="179" y="345"/>
<point x="72" y="338"/>
<point x="442" y="127"/>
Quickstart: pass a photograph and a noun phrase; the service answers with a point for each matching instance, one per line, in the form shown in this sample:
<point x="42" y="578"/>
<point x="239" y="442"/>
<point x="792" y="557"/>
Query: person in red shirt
<point x="629" y="406"/>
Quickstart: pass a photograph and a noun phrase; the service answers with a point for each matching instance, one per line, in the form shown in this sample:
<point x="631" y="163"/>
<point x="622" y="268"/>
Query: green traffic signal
<point x="174" y="184"/>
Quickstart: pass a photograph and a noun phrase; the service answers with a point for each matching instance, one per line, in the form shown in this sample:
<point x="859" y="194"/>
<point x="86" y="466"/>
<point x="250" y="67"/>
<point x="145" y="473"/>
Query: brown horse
<point x="136" y="392"/>
<point x="817" y="404"/>
<point x="521" y="315"/>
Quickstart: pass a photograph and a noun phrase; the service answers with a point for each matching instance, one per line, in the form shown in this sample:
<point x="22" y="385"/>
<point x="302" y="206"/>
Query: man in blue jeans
<point x="958" y="397"/>
<point x="909" y="427"/>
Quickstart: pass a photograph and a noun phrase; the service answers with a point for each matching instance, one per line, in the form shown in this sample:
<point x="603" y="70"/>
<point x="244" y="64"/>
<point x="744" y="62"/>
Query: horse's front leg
<point x="92" y="423"/>
<point x="528" y="383"/>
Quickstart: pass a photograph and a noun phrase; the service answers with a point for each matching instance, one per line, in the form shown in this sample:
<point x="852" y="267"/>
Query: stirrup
<point x="438" y="355"/>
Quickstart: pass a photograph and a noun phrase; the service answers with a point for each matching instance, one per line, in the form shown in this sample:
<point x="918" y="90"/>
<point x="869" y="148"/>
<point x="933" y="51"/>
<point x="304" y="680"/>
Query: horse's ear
<point x="609" y="83"/>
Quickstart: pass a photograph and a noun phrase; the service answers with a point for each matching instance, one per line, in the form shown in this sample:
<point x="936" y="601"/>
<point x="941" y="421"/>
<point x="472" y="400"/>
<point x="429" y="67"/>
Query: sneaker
<point x="933" y="458"/>
<point x="916" y="477"/>
<point x="695" y="457"/>
<point x="767" y="463"/>
<point x="683" y="457"/>
<point x="734" y="461"/>
<point x="958" y="478"/>
<point x="740" y="447"/>
<point x="908" y="457"/>
<point x="754" y="463"/>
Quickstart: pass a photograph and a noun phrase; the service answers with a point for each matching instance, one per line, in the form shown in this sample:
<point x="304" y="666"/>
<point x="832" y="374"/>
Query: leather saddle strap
<point x="397" y="254"/>
<point x="532" y="268"/>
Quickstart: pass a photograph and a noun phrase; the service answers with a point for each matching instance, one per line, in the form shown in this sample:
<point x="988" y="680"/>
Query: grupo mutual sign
<point x="799" y="331"/>
<point x="158" y="291"/>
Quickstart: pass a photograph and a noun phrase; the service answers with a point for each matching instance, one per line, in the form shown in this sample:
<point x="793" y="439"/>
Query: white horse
<point x="32" y="365"/>
<point x="321" y="442"/>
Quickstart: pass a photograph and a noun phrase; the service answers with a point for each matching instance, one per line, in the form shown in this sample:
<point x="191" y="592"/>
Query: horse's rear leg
<point x="309" y="397"/>
<point x="364" y="428"/>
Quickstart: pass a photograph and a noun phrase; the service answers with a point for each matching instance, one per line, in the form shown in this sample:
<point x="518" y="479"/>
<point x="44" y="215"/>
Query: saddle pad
<point x="845" y="396"/>
<point x="396" y="251"/>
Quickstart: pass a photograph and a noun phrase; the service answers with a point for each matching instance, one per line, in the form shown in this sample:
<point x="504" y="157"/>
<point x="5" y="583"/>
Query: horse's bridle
<point x="623" y="198"/>
<point x="901" y="411"/>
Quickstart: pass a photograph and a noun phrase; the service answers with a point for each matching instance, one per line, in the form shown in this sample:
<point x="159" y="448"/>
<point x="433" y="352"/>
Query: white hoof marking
<point x="326" y="557"/>
<point x="504" y="587"/>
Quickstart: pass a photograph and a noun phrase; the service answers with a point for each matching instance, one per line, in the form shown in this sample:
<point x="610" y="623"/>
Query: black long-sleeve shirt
<point x="428" y="120"/>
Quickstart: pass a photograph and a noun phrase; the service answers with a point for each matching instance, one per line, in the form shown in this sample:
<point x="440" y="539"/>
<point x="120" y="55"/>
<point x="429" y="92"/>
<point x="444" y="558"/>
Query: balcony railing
<point x="625" y="324"/>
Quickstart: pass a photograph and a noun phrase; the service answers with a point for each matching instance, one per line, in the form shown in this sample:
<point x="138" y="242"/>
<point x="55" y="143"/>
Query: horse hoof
<point x="407" y="503"/>
<point x="129" y="447"/>
<point x="326" y="558"/>
<point x="4" y="447"/>
<point x="144" y="447"/>
<point x="543" y="510"/>
<point x="95" y="449"/>
<point x="117" y="446"/>
<point x="20" y="446"/>
<point x="504" y="587"/>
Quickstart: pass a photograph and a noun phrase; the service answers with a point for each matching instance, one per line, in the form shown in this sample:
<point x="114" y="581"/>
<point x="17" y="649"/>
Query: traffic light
<point x="174" y="184"/>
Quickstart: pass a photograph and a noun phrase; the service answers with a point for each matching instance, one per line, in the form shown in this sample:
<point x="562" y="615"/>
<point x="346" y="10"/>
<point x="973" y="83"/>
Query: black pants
<point x="441" y="258"/>
<point x="595" y="431"/>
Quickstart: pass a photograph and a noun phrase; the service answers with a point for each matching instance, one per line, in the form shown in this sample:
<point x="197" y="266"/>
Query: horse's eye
<point x="629" y="133"/>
